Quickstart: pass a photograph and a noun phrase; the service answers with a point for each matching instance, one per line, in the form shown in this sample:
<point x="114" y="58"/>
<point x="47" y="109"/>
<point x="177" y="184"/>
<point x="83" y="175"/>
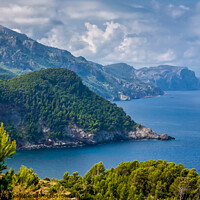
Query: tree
<point x="7" y="148"/>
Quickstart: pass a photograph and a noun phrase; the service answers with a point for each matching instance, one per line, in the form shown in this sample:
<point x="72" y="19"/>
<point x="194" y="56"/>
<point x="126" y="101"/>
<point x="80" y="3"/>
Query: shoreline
<point x="60" y="146"/>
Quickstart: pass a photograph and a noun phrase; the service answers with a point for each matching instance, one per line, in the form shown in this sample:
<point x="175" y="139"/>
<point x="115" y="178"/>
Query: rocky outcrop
<point x="75" y="136"/>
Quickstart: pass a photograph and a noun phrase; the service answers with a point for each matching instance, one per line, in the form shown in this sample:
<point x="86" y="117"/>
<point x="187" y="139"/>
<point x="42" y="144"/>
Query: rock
<point x="77" y="137"/>
<point x="166" y="137"/>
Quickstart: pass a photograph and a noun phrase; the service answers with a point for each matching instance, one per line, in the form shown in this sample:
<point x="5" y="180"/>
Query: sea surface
<point x="176" y="113"/>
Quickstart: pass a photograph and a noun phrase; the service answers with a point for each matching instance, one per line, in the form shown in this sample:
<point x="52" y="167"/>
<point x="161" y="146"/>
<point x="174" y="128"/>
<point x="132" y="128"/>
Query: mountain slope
<point x="20" y="54"/>
<point x="53" y="106"/>
<point x="169" y="77"/>
<point x="121" y="71"/>
<point x="126" y="74"/>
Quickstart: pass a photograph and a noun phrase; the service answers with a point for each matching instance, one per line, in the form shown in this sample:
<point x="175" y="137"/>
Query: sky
<point x="137" y="32"/>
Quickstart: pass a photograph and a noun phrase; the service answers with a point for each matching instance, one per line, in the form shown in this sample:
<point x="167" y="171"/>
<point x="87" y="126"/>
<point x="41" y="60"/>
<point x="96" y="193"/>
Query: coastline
<point x="84" y="139"/>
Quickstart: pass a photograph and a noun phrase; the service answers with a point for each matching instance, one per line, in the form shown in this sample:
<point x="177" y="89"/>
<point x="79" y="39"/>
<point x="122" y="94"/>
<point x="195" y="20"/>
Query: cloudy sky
<point x="138" y="32"/>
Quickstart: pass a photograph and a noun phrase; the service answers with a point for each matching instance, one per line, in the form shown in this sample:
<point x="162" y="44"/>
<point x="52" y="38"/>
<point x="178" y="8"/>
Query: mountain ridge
<point x="169" y="77"/>
<point x="166" y="77"/>
<point x="19" y="54"/>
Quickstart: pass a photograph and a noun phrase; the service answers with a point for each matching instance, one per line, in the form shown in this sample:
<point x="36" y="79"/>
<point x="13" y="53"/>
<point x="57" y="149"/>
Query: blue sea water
<point x="176" y="113"/>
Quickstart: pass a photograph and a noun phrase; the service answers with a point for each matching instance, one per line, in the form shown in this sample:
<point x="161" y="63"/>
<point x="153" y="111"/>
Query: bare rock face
<point x="146" y="133"/>
<point x="143" y="133"/>
<point x="79" y="136"/>
<point x="166" y="137"/>
<point x="76" y="136"/>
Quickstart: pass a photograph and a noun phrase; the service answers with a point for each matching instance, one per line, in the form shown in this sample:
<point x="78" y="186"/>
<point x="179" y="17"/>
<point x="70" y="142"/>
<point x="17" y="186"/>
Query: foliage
<point x="131" y="180"/>
<point x="7" y="148"/>
<point x="134" y="180"/>
<point x="56" y="98"/>
<point x="6" y="188"/>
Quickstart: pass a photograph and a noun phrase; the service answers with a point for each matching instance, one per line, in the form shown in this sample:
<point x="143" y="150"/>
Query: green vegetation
<point x="6" y="74"/>
<point x="132" y="180"/>
<point x="55" y="99"/>
<point x="7" y="148"/>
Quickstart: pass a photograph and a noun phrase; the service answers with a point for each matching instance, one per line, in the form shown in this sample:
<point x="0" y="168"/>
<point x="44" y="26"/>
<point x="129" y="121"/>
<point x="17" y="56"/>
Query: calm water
<point x="177" y="114"/>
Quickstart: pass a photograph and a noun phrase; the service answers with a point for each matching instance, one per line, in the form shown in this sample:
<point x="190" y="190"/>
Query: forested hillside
<point x="43" y="105"/>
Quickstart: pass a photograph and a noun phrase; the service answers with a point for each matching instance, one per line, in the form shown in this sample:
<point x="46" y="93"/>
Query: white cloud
<point x="95" y="38"/>
<point x="177" y="11"/>
<point x="169" y="55"/>
<point x="141" y="34"/>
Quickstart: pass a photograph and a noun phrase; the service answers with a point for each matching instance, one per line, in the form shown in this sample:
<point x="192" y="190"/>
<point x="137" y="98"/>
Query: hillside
<point x="20" y="54"/>
<point x="164" y="76"/>
<point x="169" y="77"/>
<point x="53" y="107"/>
<point x="127" y="72"/>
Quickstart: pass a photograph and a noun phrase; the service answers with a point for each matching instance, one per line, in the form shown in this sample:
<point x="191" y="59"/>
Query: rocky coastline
<point x="77" y="137"/>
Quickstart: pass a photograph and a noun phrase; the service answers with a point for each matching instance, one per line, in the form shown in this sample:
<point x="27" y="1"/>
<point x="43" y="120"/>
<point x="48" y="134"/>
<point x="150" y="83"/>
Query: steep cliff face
<point x="169" y="77"/>
<point x="20" y="54"/>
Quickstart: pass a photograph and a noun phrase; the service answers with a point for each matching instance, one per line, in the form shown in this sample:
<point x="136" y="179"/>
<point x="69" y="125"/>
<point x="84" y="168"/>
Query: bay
<point x="177" y="113"/>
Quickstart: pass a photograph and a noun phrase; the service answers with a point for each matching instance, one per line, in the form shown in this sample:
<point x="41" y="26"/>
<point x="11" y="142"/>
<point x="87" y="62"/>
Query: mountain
<point x="169" y="77"/>
<point x="165" y="77"/>
<point x="5" y="74"/>
<point x="53" y="107"/>
<point x="20" y="54"/>
<point x="126" y="74"/>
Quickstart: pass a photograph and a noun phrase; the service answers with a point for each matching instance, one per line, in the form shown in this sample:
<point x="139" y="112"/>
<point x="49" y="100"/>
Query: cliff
<point x="165" y="77"/>
<point x="76" y="137"/>
<point x="169" y="77"/>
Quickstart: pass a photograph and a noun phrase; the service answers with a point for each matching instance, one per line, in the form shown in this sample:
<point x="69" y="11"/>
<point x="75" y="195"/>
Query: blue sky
<point x="140" y="33"/>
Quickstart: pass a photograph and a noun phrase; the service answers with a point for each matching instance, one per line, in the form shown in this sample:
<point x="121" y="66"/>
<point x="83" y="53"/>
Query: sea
<point x="176" y="113"/>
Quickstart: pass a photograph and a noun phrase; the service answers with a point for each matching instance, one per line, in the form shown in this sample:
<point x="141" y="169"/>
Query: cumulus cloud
<point x="140" y="33"/>
<point x="96" y="37"/>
